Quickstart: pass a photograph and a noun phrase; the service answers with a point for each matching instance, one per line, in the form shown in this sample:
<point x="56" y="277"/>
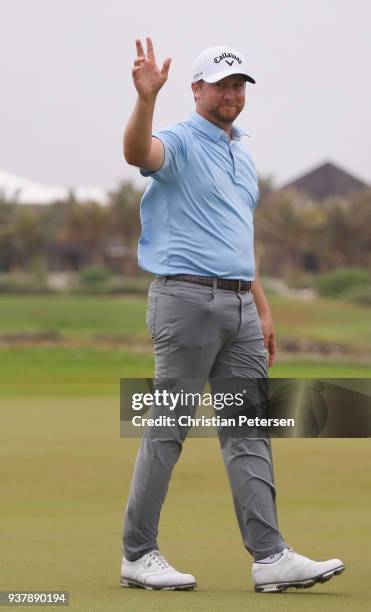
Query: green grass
<point x="65" y="472"/>
<point x="85" y="316"/>
<point x="323" y="319"/>
<point x="79" y="316"/>
<point x="65" y="475"/>
<point x="88" y="361"/>
<point x="97" y="371"/>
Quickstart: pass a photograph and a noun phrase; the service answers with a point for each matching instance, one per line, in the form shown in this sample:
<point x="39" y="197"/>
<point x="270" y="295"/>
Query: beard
<point x="225" y="113"/>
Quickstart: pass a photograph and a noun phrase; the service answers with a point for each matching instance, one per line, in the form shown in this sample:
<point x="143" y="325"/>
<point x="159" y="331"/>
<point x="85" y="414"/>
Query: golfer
<point x="207" y="313"/>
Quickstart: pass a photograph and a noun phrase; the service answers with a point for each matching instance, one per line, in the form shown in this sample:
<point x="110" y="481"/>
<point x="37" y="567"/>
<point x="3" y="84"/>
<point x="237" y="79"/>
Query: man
<point x="207" y="313"/>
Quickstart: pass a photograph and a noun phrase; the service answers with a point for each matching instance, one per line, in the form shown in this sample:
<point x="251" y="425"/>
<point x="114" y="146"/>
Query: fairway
<point x="65" y="476"/>
<point x="65" y="471"/>
<point x="81" y="319"/>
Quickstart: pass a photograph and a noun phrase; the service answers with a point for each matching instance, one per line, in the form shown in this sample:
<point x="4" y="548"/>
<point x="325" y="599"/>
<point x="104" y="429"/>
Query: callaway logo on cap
<point x="216" y="63"/>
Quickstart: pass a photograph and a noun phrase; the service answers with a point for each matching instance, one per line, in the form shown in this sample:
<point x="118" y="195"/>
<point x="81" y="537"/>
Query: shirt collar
<point x="213" y="131"/>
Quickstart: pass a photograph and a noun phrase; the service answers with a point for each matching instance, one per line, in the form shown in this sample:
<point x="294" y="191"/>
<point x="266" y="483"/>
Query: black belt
<point x="221" y="283"/>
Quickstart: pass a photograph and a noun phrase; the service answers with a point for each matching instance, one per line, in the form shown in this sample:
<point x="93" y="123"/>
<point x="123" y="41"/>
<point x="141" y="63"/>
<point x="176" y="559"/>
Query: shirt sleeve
<point x="256" y="199"/>
<point x="175" y="144"/>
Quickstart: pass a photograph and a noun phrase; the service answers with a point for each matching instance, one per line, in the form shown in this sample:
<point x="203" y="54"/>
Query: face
<point x="220" y="102"/>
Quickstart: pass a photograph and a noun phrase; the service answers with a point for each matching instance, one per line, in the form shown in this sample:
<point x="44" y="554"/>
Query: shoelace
<point x="156" y="556"/>
<point x="289" y="553"/>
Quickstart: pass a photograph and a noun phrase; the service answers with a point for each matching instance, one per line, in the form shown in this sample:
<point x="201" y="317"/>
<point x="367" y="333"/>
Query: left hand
<point x="269" y="337"/>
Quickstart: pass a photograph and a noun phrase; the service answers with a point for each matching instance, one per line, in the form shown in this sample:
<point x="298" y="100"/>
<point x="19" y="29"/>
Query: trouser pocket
<point x="151" y="316"/>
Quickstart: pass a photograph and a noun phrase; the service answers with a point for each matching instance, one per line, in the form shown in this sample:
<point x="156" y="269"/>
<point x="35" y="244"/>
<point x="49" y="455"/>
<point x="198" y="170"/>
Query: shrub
<point x="23" y="282"/>
<point x="95" y="279"/>
<point x="341" y="281"/>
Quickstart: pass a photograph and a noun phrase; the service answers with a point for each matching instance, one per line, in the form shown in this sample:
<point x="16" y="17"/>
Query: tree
<point x="27" y="236"/>
<point x="124" y="213"/>
<point x="288" y="227"/>
<point x="86" y="224"/>
<point x="7" y="233"/>
<point x="348" y="231"/>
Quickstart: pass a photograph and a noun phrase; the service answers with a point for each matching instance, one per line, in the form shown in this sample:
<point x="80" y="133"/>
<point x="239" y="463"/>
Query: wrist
<point x="147" y="100"/>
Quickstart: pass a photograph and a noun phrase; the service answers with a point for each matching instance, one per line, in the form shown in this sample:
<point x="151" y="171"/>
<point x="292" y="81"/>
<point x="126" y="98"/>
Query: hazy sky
<point x="66" y="88"/>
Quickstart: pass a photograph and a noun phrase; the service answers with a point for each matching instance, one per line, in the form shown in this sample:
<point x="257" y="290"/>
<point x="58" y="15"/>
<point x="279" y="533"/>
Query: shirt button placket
<point x="236" y="169"/>
<point x="230" y="147"/>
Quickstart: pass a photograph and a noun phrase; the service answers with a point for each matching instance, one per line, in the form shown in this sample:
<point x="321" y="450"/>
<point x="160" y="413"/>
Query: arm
<point x="265" y="316"/>
<point x="140" y="148"/>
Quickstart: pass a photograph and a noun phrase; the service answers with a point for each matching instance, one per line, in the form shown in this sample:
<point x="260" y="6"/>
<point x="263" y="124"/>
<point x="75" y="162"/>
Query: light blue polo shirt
<point x="197" y="211"/>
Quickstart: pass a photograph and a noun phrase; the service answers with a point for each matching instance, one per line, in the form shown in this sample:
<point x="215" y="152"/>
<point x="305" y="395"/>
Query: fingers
<point x="150" y="51"/>
<point x="272" y="351"/>
<point x="140" y="50"/>
<point x="141" y="56"/>
<point x="165" y="67"/>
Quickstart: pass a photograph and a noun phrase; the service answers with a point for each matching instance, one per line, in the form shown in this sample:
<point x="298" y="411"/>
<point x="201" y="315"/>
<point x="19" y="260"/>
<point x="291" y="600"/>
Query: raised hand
<point x="147" y="76"/>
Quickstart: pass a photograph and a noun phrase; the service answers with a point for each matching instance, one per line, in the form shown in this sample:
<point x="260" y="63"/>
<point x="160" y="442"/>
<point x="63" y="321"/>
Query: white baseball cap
<point x="216" y="63"/>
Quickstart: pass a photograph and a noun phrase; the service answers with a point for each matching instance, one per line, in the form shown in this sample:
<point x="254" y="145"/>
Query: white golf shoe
<point x="153" y="571"/>
<point x="293" y="570"/>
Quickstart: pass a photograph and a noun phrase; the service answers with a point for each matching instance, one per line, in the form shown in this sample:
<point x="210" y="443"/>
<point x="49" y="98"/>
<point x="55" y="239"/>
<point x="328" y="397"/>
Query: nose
<point x="228" y="94"/>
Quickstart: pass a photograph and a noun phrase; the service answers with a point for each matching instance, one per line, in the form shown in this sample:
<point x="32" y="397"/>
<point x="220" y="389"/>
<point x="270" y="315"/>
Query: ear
<point x="195" y="88"/>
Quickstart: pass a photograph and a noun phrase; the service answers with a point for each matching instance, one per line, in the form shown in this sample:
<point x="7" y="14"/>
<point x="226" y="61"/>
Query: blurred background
<point x="73" y="300"/>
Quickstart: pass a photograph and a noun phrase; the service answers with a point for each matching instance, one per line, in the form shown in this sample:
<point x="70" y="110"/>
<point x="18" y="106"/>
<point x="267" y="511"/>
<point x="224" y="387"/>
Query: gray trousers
<point x="203" y="333"/>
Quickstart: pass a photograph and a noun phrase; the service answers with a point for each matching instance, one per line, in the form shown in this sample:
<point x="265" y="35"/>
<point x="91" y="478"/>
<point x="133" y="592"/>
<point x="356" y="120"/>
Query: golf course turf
<point x="65" y="474"/>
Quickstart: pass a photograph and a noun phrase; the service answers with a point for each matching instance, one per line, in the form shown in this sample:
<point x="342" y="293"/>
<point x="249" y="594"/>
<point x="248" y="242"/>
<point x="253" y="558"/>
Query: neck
<point x="227" y="127"/>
